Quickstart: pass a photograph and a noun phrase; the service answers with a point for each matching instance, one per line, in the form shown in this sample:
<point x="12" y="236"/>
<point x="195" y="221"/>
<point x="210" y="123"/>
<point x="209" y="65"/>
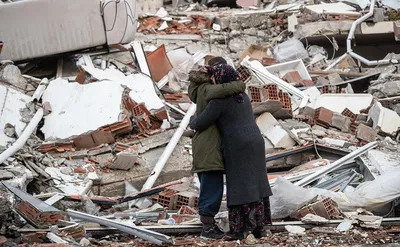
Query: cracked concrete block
<point x="384" y="120"/>
<point x="125" y="160"/>
<point x="366" y="133"/>
<point x="387" y="89"/>
<point x="341" y="122"/>
<point x="272" y="129"/>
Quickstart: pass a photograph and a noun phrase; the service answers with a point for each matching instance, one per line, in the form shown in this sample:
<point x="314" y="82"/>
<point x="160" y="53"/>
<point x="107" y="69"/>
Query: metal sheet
<point x="37" y="203"/>
<point x="37" y="28"/>
<point x="153" y="237"/>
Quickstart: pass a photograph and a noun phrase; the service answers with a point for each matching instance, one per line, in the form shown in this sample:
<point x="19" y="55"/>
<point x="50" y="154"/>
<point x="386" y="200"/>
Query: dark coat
<point x="243" y="148"/>
<point x="206" y="146"/>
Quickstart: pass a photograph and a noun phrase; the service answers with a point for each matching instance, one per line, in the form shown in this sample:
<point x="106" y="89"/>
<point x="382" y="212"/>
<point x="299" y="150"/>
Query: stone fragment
<point x="366" y="133"/>
<point x="240" y="44"/>
<point x="272" y="129"/>
<point x="295" y="230"/>
<point x="384" y="120"/>
<point x="250" y="31"/>
<point x="125" y="160"/>
<point x="314" y="219"/>
<point x="341" y="122"/>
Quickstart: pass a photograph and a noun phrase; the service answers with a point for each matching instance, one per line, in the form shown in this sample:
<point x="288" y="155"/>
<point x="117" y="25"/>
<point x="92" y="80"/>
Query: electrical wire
<point x="333" y="45"/>
<point x="315" y="144"/>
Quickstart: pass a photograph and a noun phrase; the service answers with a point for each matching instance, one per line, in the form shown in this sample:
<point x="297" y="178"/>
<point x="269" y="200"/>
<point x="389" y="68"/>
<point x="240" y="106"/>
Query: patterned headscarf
<point x="224" y="73"/>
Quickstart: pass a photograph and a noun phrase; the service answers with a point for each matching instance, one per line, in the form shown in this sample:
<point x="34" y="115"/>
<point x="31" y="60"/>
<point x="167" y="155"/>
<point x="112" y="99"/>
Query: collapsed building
<point x="91" y="132"/>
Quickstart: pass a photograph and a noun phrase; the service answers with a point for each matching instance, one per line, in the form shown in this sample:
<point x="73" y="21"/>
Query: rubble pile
<point x="93" y="146"/>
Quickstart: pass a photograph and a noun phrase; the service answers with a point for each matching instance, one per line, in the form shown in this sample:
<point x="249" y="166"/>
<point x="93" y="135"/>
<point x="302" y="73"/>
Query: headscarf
<point x="224" y="73"/>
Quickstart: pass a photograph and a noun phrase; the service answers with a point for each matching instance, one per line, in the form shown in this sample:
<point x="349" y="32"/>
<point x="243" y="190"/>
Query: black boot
<point x="261" y="232"/>
<point x="210" y="229"/>
<point x="233" y="236"/>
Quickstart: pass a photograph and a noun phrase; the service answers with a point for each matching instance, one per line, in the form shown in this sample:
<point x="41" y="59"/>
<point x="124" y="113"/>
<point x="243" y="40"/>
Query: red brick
<point x="323" y="117"/>
<point x="292" y="76"/>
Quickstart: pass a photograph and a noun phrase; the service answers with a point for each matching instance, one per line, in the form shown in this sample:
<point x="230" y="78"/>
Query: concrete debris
<point x="272" y="130"/>
<point x="314" y="219"/>
<point x="75" y="149"/>
<point x="125" y="160"/>
<point x="11" y="125"/>
<point x="384" y="120"/>
<point x="295" y="230"/>
<point x="345" y="226"/>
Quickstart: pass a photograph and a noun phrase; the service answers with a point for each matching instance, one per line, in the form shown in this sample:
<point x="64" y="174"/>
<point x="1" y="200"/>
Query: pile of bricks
<point x="324" y="207"/>
<point x="244" y="74"/>
<point x="294" y="78"/>
<point x="173" y="200"/>
<point x="270" y="92"/>
<point x="323" y="117"/>
<point x="346" y="121"/>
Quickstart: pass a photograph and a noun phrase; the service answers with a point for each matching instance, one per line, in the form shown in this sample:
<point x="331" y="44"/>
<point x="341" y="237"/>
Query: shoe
<point x="210" y="229"/>
<point x="261" y="232"/>
<point x="233" y="236"/>
<point x="212" y="233"/>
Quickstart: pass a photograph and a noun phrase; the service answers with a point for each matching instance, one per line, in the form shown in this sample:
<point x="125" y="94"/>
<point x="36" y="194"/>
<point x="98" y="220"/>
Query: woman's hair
<point x="217" y="61"/>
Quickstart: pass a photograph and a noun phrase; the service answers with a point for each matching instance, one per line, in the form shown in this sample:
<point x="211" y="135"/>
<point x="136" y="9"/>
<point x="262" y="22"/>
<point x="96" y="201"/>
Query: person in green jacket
<point x="207" y="156"/>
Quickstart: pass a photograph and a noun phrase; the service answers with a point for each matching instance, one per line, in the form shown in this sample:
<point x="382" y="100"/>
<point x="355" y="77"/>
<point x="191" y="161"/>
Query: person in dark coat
<point x="243" y="150"/>
<point x="207" y="157"/>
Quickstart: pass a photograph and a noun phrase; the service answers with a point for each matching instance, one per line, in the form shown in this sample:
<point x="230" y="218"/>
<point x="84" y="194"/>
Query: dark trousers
<point x="211" y="191"/>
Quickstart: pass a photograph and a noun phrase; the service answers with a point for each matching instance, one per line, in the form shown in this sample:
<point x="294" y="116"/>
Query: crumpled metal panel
<point x="37" y="28"/>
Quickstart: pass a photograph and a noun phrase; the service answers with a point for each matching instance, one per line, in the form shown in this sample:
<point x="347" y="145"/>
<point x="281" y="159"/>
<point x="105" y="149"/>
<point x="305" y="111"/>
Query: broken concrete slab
<point x="332" y="8"/>
<point x="314" y="219"/>
<point x="179" y="165"/>
<point x="11" y="76"/>
<point x="387" y="89"/>
<point x="341" y="122"/>
<point x="142" y="86"/>
<point x="11" y="101"/>
<point x="377" y="28"/>
<point x="324" y="230"/>
<point x="295" y="230"/>
<point x="272" y="129"/>
<point x="384" y="120"/>
<point x="78" y="109"/>
<point x="309" y="29"/>
<point x="339" y="102"/>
